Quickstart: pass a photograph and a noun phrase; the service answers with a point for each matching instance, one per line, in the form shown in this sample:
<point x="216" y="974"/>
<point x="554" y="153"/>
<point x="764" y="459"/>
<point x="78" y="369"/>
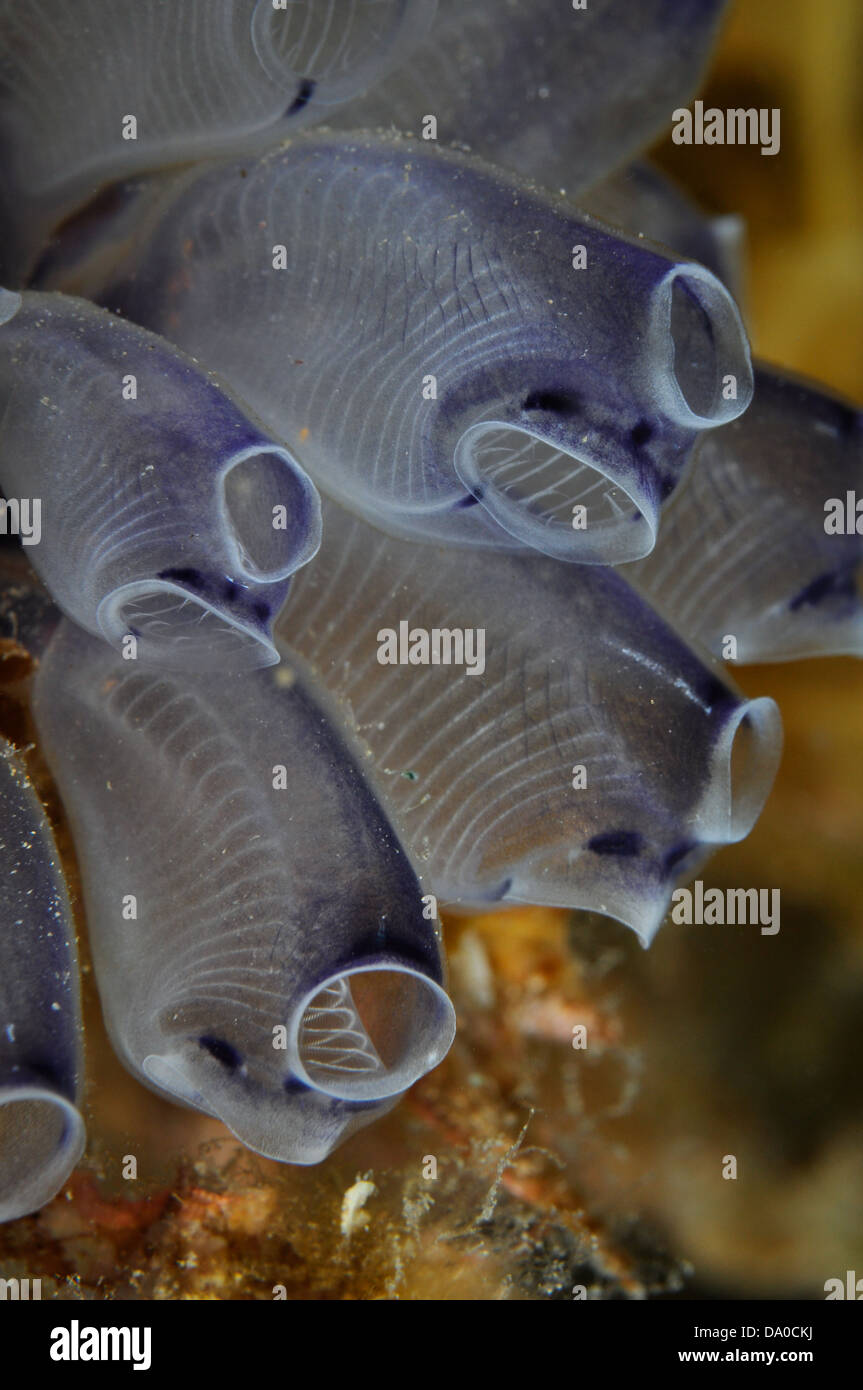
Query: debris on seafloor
<point x="354" y="1215"/>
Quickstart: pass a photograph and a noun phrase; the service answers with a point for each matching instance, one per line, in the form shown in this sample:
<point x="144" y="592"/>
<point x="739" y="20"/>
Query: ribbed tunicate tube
<point x="762" y="548"/>
<point x="41" y="1067"/>
<point x="92" y="90"/>
<point x="538" y="734"/>
<point x="157" y="510"/>
<point x="446" y="352"/>
<point x="560" y="93"/>
<point x="261" y="944"/>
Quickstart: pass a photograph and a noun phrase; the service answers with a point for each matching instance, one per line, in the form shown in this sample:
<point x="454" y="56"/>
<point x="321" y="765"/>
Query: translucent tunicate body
<point x="261" y="944"/>
<point x="443" y="350"/>
<point x="158" y="513"/>
<point x="538" y="733"/>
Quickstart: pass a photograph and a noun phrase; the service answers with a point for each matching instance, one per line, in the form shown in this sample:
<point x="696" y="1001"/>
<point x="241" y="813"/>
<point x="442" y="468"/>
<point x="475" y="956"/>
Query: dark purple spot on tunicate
<point x="182" y="575"/>
<point x="641" y="433"/>
<point x="303" y="97"/>
<point x="835" y="584"/>
<point x="555" y="402"/>
<point x="626" y="843"/>
<point x="222" y="1051"/>
<point x="293" y="1084"/>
